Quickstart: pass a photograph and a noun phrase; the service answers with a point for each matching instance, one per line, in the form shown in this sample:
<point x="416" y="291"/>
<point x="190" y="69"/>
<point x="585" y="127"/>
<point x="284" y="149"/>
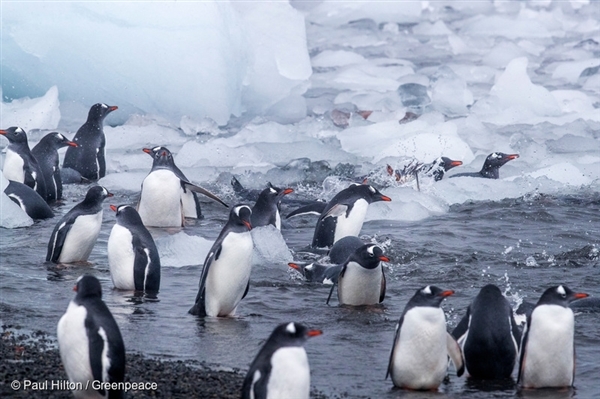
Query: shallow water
<point x="522" y="245"/>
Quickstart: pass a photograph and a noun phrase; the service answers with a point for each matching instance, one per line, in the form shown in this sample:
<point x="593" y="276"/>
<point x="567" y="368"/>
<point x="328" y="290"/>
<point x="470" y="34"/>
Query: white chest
<point x="549" y="356"/>
<point x="420" y="356"/>
<point x="121" y="257"/>
<point x="351" y="225"/>
<point x="189" y="204"/>
<point x="73" y="344"/>
<point x="360" y="286"/>
<point x="81" y="238"/>
<point x="228" y="276"/>
<point x="160" y="201"/>
<point x="13" y="166"/>
<point x="290" y="374"/>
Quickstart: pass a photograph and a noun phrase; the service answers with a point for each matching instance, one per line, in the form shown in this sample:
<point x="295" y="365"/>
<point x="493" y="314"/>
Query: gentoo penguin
<point x="90" y="342"/>
<point x="88" y="157"/>
<point x="46" y="153"/>
<point x="161" y="203"/>
<point x="491" y="166"/>
<point x="280" y="369"/>
<point x="435" y="169"/>
<point x="343" y="248"/>
<point x="189" y="199"/>
<point x="266" y="209"/>
<point x="225" y="277"/>
<point x="19" y="164"/>
<point x="547" y="357"/>
<point x="132" y="255"/>
<point x="361" y="280"/>
<point x="244" y="193"/>
<point x="419" y="357"/>
<point x="75" y="234"/>
<point x="318" y="273"/>
<point x="29" y="200"/>
<point x="344" y="214"/>
<point x="489" y="336"/>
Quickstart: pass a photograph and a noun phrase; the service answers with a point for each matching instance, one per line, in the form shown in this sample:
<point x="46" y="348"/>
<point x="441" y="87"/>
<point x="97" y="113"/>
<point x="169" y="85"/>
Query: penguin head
<point x="447" y="163"/>
<point x="497" y="159"/>
<point x="126" y="214"/>
<point x="154" y="150"/>
<point x="15" y="135"/>
<point x="88" y="286"/>
<point x="292" y="334"/>
<point x="274" y="194"/>
<point x="368" y="256"/>
<point x="99" y="111"/>
<point x="430" y="295"/>
<point x="560" y="295"/>
<point x="97" y="194"/>
<point x="57" y="140"/>
<point x="162" y="156"/>
<point x="240" y="215"/>
<point x="372" y="194"/>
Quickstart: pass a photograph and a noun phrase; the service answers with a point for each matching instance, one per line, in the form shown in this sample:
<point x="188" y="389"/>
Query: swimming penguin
<point x="280" y="369"/>
<point x="225" y="278"/>
<point x="362" y="280"/>
<point x="161" y="203"/>
<point x="46" y="153"/>
<point x="266" y="209"/>
<point x="318" y="273"/>
<point x="343" y="248"/>
<point x="29" y="200"/>
<point x="76" y="233"/>
<point x="189" y="199"/>
<point x="19" y="164"/>
<point x="90" y="342"/>
<point x="547" y="358"/>
<point x="489" y="336"/>
<point x="419" y="357"/>
<point x="345" y="214"/>
<point x="244" y="193"/>
<point x="491" y="166"/>
<point x="88" y="158"/>
<point x="132" y="255"/>
<point x="435" y="169"/>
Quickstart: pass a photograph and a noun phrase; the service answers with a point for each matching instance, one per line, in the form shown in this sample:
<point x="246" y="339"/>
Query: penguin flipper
<point x="57" y="240"/>
<point x="336" y="210"/>
<point x="463" y="326"/>
<point x="247" y="289"/>
<point x="199" y="308"/>
<point x="396" y="338"/>
<point x="255" y="383"/>
<point x="314" y="208"/>
<point x="455" y="354"/>
<point x="198" y="189"/>
<point x="383" y="285"/>
<point x="140" y="263"/>
<point x="96" y="348"/>
<point x="523" y="350"/>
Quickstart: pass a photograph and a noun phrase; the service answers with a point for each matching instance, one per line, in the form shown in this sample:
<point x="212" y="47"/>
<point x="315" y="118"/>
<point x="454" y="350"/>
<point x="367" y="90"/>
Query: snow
<point x="287" y="92"/>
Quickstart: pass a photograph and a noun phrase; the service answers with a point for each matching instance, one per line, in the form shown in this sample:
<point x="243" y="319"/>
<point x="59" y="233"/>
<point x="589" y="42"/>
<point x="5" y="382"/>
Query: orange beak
<point x="447" y="293"/>
<point x="113" y="208"/>
<point x="314" y="333"/>
<point x="384" y="258"/>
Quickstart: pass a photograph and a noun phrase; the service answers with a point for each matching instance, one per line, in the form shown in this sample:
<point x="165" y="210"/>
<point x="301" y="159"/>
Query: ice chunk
<point x="269" y="247"/>
<point x="11" y="214"/>
<point x="206" y="59"/>
<point x="35" y="113"/>
<point x="180" y="249"/>
<point x="329" y="58"/>
<point x="192" y="127"/>
<point x="571" y="71"/>
<point x="563" y="172"/>
<point x="335" y="13"/>
<point x="449" y="93"/>
<point x="502" y="25"/>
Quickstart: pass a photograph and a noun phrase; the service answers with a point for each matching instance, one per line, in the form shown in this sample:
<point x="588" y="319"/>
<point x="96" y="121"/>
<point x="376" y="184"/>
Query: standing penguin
<point x="419" y="357"/>
<point x="266" y="209"/>
<point x="46" y="153"/>
<point x="361" y="280"/>
<point x="547" y="357"/>
<point x="225" y="278"/>
<point x="132" y="255"/>
<point x="491" y="166"/>
<point x="90" y="342"/>
<point x="88" y="158"/>
<point x="161" y="203"/>
<point x="189" y="199"/>
<point x="19" y="164"/>
<point x="280" y="369"/>
<point x="76" y="233"/>
<point x="345" y="214"/>
<point x="489" y="335"/>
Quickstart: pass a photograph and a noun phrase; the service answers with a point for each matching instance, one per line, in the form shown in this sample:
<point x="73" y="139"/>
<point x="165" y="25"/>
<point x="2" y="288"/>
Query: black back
<point x="491" y="166"/>
<point x="89" y="295"/>
<point x="343" y="248"/>
<point x="88" y="157"/>
<point x="264" y="211"/>
<point x="46" y="153"/>
<point x="29" y="200"/>
<point x="491" y="345"/>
